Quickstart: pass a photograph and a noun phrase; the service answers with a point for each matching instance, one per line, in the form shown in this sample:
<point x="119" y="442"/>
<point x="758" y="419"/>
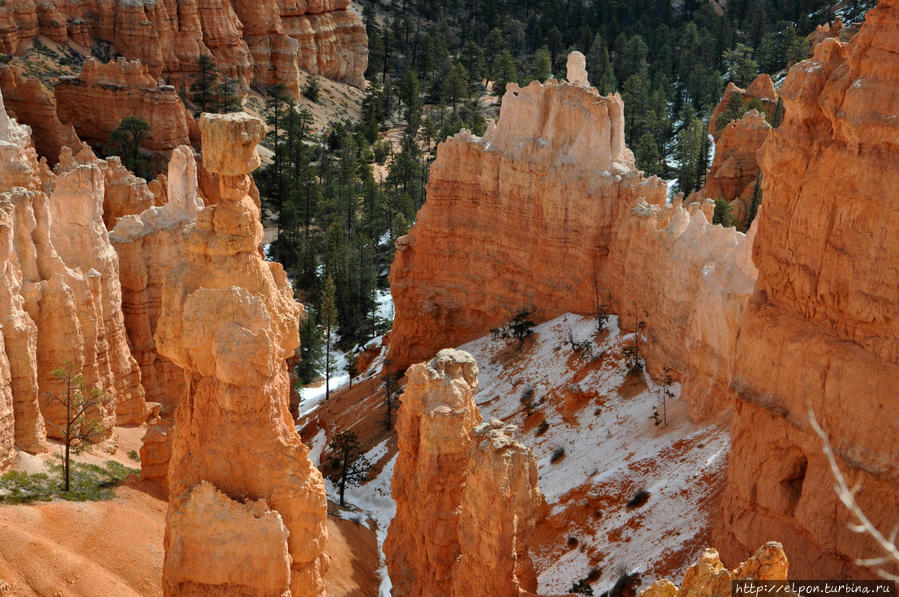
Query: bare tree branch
<point x="847" y="496"/>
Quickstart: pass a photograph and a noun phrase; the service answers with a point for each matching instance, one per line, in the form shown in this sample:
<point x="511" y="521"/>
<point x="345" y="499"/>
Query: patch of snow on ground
<point x="611" y="445"/>
<point x="384" y="300"/>
<point x="376" y="503"/>
<point x="312" y="396"/>
<point x="317" y="446"/>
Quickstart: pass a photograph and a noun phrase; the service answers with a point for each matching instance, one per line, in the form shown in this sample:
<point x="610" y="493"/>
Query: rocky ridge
<point x="256" y="42"/>
<point x="710" y="577"/>
<point x="98" y="99"/>
<point x="548" y="213"/>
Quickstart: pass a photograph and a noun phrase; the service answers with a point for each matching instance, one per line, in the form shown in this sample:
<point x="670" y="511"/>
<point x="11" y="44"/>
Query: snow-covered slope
<point x="601" y="418"/>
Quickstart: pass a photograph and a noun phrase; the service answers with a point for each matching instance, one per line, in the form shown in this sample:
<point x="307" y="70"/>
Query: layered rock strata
<point x="712" y="579"/>
<point x="61" y="298"/>
<point x="466" y="493"/>
<point x="547" y="212"/>
<point x="30" y="102"/>
<point x="229" y="320"/>
<point x="150" y="245"/>
<point x="521" y="218"/>
<point x="97" y="101"/>
<point x="257" y="43"/>
<point x="821" y="330"/>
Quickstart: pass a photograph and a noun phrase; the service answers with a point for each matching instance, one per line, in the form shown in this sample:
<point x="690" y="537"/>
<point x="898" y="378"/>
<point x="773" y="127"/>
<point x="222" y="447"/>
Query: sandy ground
<point x="115" y="548"/>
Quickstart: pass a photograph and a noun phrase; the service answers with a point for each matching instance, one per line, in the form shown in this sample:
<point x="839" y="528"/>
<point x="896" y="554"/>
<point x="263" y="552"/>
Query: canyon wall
<point x="548" y="212"/>
<point x="98" y="99"/>
<point x="256" y="42"/>
<point x="61" y="298"/>
<point x="821" y="330"/>
<point x="466" y="492"/>
<point x="521" y="218"/>
<point x="247" y="509"/>
<point x="31" y="102"/>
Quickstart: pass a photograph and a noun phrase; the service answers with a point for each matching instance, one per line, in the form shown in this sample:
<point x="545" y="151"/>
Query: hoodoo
<point x="229" y="320"/>
<point x="466" y="493"/>
<point x="61" y="300"/>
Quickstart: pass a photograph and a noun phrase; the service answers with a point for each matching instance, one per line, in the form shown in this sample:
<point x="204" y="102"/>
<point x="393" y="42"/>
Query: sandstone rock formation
<point x="30" y="102"/>
<point x="255" y="42"/>
<point x="123" y="192"/>
<point x="96" y="102"/>
<point x="521" y="218"/>
<point x="150" y="245"/>
<point x="548" y="212"/>
<point x="822" y="328"/>
<point x="466" y="493"/>
<point x="735" y="172"/>
<point x="689" y="281"/>
<point x="229" y="320"/>
<point x="332" y="39"/>
<point x="711" y="579"/>
<point x="61" y="298"/>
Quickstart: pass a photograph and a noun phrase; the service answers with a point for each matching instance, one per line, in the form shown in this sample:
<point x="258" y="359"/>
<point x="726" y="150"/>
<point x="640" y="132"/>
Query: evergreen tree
<point x="688" y="153"/>
<point x="347" y="464"/>
<point x="126" y="140"/>
<point x="741" y="68"/>
<point x="310" y="349"/>
<point x="541" y="67"/>
<point x="203" y="87"/>
<point x="227" y="92"/>
<point x="599" y="68"/>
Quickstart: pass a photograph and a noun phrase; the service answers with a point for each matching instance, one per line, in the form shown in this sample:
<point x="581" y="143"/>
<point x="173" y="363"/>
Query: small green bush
<point x="541" y="428"/>
<point x="133" y="455"/>
<point x="89" y="482"/>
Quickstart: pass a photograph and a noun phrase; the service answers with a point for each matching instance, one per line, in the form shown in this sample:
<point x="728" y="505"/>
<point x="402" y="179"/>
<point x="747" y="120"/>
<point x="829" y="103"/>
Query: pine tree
<point x="348" y="465"/>
<point x="310" y="348"/>
<point x="126" y="140"/>
<point x="599" y="67"/>
<point x="204" y="83"/>
<point x="541" y="67"/>
<point x="80" y="424"/>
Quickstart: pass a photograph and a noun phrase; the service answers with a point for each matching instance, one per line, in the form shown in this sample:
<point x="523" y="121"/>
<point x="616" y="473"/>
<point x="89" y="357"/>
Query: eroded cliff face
<point x="256" y="42"/>
<point x="31" y="102"/>
<point x="689" y="281"/>
<point x="547" y="212"/>
<point x="61" y="298"/>
<point x="229" y="320"/>
<point x="96" y="102"/>
<point x="822" y="328"/>
<point x="466" y="493"/>
<point x="735" y="170"/>
<point x="521" y="218"/>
